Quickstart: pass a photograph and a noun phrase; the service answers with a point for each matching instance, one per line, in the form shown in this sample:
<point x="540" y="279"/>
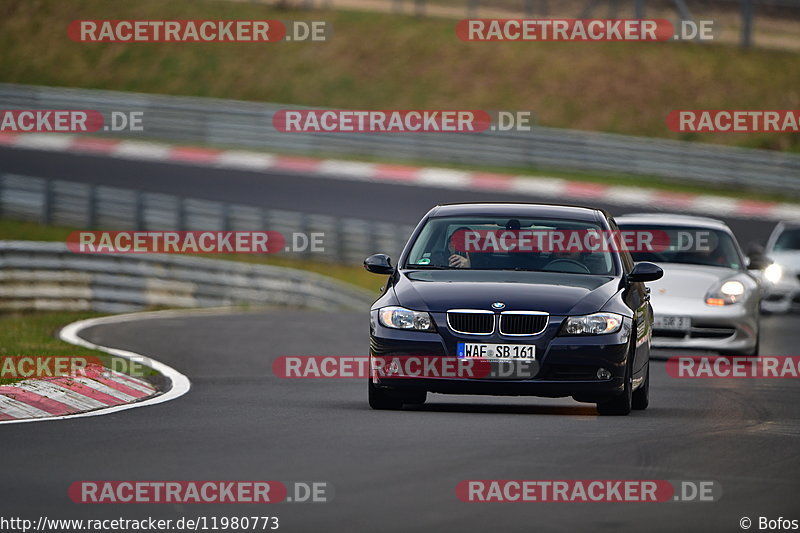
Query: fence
<point x="79" y="205"/>
<point x="46" y="276"/>
<point x="248" y="124"/>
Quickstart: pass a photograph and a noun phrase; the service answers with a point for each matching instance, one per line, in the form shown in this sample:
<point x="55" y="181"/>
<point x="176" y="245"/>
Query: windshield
<point x="502" y="243"/>
<point x="788" y="240"/>
<point x="691" y="246"/>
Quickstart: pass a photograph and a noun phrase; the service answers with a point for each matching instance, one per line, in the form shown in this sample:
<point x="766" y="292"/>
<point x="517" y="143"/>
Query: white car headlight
<point x="773" y="273"/>
<point x="402" y="318"/>
<point x="595" y="324"/>
<point x="727" y="293"/>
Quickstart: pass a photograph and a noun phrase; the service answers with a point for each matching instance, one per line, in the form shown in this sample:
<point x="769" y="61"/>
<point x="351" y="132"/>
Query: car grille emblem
<point x="498" y="305"/>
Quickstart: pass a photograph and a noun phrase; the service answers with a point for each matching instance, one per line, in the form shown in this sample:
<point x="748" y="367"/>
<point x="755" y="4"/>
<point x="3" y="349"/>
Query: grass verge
<point x="34" y="334"/>
<point x="388" y="61"/>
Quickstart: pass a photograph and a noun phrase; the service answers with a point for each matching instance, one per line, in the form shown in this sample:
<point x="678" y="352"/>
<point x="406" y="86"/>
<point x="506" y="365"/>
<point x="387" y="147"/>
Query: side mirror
<point x="758" y="261"/>
<point x="379" y="264"/>
<point x="645" y="271"/>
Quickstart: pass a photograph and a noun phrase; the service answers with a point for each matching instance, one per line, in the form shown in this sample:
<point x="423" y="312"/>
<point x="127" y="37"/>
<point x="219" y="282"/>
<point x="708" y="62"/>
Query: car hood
<point x="554" y="293"/>
<point x="688" y="281"/>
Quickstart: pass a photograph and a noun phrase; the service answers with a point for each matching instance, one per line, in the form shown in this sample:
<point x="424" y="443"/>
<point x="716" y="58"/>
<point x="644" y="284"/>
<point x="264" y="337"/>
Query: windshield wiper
<point x="430" y="267"/>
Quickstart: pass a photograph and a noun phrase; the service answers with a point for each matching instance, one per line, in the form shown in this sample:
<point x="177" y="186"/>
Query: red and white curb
<point x="99" y="392"/>
<point x="557" y="189"/>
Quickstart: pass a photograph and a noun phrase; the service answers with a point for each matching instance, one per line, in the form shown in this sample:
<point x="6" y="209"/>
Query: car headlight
<point x="773" y="273"/>
<point x="402" y="318"/>
<point x="595" y="324"/>
<point x="726" y="293"/>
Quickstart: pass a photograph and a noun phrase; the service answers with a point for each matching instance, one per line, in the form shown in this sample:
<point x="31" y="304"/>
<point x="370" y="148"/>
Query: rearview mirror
<point x="645" y="271"/>
<point x="379" y="264"/>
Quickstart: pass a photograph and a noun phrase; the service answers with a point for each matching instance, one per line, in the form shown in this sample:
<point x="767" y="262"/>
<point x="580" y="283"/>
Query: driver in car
<point x="453" y="257"/>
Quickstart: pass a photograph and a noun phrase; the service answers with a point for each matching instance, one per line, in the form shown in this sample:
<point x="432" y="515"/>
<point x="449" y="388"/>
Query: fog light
<point x="602" y="373"/>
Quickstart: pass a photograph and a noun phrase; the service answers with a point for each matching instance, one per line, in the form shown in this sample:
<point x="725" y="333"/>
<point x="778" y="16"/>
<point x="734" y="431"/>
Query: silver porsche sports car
<point x="707" y="299"/>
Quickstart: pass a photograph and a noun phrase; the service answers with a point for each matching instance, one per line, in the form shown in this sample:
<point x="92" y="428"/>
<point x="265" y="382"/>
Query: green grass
<point x="34" y="334"/>
<point x="379" y="60"/>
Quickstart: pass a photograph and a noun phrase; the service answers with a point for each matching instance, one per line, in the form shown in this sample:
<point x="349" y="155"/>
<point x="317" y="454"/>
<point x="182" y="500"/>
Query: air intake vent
<point x="471" y="322"/>
<point x="523" y="323"/>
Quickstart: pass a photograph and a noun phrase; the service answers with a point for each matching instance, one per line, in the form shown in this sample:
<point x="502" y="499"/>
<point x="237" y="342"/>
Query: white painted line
<point x="631" y="195"/>
<point x="717" y="205"/>
<point x="19" y="409"/>
<point x="105" y="389"/>
<point x="70" y="334"/>
<point x="44" y="141"/>
<point x="788" y="212"/>
<point x="142" y="150"/>
<point x="538" y="186"/>
<point x="444" y="177"/>
<point x="347" y="169"/>
<point x="50" y="390"/>
<point x="244" y="160"/>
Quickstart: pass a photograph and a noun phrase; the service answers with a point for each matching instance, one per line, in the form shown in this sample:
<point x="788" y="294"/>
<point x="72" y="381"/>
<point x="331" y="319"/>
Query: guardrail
<point x="249" y="124"/>
<point x="80" y="205"/>
<point x="47" y="276"/>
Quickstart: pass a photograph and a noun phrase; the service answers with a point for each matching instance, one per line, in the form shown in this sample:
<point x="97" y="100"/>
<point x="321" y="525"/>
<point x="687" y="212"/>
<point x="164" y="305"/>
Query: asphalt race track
<point x="298" y="192"/>
<point x="391" y="471"/>
<point x="397" y="471"/>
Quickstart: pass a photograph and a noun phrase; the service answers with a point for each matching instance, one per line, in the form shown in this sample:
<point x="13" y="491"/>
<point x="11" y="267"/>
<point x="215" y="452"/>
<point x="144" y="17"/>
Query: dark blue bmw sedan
<point x="530" y="299"/>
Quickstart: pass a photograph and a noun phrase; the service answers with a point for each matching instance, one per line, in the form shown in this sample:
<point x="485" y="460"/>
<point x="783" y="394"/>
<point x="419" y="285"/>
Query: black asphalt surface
<point x="285" y="190"/>
<point x="397" y="471"/>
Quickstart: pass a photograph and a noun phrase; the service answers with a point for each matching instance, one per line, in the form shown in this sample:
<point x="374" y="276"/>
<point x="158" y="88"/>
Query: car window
<point x="503" y="243"/>
<point x="788" y="240"/>
<point x="690" y="245"/>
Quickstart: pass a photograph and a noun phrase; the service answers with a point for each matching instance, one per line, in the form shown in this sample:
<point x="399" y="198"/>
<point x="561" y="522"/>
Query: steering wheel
<point x="583" y="268"/>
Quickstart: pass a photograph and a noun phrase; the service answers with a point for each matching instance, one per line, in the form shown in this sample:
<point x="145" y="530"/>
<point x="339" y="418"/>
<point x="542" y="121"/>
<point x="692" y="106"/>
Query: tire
<point x="621" y="404"/>
<point x="641" y="396"/>
<point x="393" y="401"/>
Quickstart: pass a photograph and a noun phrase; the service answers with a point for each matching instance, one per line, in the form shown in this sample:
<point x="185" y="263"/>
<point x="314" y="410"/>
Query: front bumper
<point x="565" y="366"/>
<point x="723" y="328"/>
<point x="782" y="297"/>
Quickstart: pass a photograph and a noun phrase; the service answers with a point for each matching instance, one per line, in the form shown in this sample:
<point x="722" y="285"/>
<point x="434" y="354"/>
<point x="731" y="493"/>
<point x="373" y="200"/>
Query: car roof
<point x="520" y="209"/>
<point x="672" y="219"/>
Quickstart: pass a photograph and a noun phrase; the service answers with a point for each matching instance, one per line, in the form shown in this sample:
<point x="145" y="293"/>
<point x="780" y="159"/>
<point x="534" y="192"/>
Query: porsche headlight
<point x="726" y="293"/>
<point x="595" y="324"/>
<point x="402" y="318"/>
<point x="773" y="273"/>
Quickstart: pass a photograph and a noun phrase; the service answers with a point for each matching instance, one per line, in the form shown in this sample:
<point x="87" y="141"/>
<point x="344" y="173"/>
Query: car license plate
<point x="678" y="323"/>
<point x="497" y="352"/>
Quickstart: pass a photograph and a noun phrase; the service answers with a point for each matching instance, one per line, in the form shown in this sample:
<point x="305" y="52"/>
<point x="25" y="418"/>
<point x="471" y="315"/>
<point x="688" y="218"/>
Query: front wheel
<point x="621" y="404"/>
